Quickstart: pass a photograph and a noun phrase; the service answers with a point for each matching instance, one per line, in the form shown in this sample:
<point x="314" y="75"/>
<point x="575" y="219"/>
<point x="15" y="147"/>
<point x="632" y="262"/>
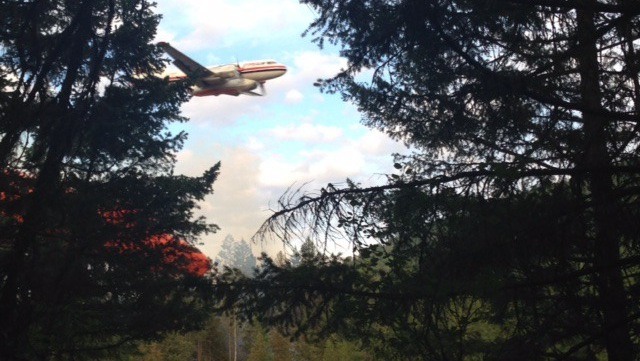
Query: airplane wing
<point x="190" y="67"/>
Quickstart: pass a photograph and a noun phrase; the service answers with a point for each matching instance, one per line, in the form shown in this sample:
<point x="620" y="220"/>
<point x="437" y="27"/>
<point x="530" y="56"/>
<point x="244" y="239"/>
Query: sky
<point x="293" y="136"/>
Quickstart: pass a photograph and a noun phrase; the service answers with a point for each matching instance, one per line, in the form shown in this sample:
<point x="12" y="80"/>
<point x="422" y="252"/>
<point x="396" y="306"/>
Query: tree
<point x="280" y="346"/>
<point x="260" y="349"/>
<point x="235" y="257"/>
<point x="208" y="344"/>
<point x="238" y="255"/>
<point x="509" y="233"/>
<point x="97" y="232"/>
<point x="176" y="347"/>
<point x="336" y="350"/>
<point x="212" y="341"/>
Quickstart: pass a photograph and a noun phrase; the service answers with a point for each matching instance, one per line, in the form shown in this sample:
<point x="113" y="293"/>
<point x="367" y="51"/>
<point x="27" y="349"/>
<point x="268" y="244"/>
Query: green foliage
<point x="254" y="343"/>
<point x="260" y="349"/>
<point x="280" y="346"/>
<point x="208" y="344"/>
<point x="97" y="232"/>
<point x="212" y="342"/>
<point x="340" y="350"/>
<point x="307" y="351"/>
<point x="509" y="233"/>
<point x="174" y="347"/>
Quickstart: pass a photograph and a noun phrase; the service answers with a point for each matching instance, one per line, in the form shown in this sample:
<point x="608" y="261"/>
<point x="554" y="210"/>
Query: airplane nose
<point x="282" y="70"/>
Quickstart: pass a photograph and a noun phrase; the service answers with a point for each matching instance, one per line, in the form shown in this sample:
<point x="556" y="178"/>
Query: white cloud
<point x="185" y="156"/>
<point x="304" y="69"/>
<point x="224" y="110"/>
<point x="255" y="144"/>
<point x="307" y="132"/>
<point x="293" y="96"/>
<point x="224" y="23"/>
<point x="317" y="65"/>
<point x="238" y="204"/>
<point x="377" y="143"/>
<point x="345" y="158"/>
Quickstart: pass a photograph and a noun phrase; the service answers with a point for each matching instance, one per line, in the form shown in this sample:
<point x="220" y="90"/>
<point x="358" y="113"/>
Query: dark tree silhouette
<point x="97" y="233"/>
<point x="515" y="214"/>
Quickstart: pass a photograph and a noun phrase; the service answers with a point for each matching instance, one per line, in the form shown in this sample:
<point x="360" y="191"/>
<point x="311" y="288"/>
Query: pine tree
<point x="280" y="346"/>
<point x="260" y="349"/>
<point x="510" y="232"/>
<point x="97" y="232"/>
<point x="237" y="254"/>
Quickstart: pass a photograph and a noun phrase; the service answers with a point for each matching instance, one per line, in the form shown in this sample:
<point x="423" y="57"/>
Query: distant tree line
<point x="259" y="344"/>
<point x="229" y="338"/>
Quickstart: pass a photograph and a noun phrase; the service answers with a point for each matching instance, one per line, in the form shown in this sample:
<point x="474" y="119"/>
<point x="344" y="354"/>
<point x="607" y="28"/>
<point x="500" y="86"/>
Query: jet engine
<point x="234" y="86"/>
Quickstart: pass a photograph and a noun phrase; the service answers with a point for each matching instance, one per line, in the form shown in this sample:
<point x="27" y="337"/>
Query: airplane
<point x="231" y="79"/>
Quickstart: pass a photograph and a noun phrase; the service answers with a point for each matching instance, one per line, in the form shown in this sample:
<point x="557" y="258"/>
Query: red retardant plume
<point x="175" y="253"/>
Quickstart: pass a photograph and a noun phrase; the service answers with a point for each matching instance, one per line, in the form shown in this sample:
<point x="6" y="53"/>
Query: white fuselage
<point x="251" y="74"/>
<point x="261" y="70"/>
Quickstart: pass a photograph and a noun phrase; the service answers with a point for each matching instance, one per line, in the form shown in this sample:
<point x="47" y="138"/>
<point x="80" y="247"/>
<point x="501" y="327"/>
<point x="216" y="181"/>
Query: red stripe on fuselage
<point x="242" y="71"/>
<point x="262" y="69"/>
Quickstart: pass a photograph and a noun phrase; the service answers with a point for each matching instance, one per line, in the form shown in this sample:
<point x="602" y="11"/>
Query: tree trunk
<point x="611" y="292"/>
<point x="235" y="338"/>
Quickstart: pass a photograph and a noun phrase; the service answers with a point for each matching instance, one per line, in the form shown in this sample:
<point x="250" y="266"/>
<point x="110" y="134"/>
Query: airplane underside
<point x="216" y="92"/>
<point x="231" y="88"/>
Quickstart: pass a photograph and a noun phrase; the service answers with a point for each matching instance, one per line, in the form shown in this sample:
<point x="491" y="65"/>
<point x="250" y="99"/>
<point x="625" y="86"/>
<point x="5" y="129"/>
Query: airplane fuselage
<point x="251" y="74"/>
<point x="261" y="71"/>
